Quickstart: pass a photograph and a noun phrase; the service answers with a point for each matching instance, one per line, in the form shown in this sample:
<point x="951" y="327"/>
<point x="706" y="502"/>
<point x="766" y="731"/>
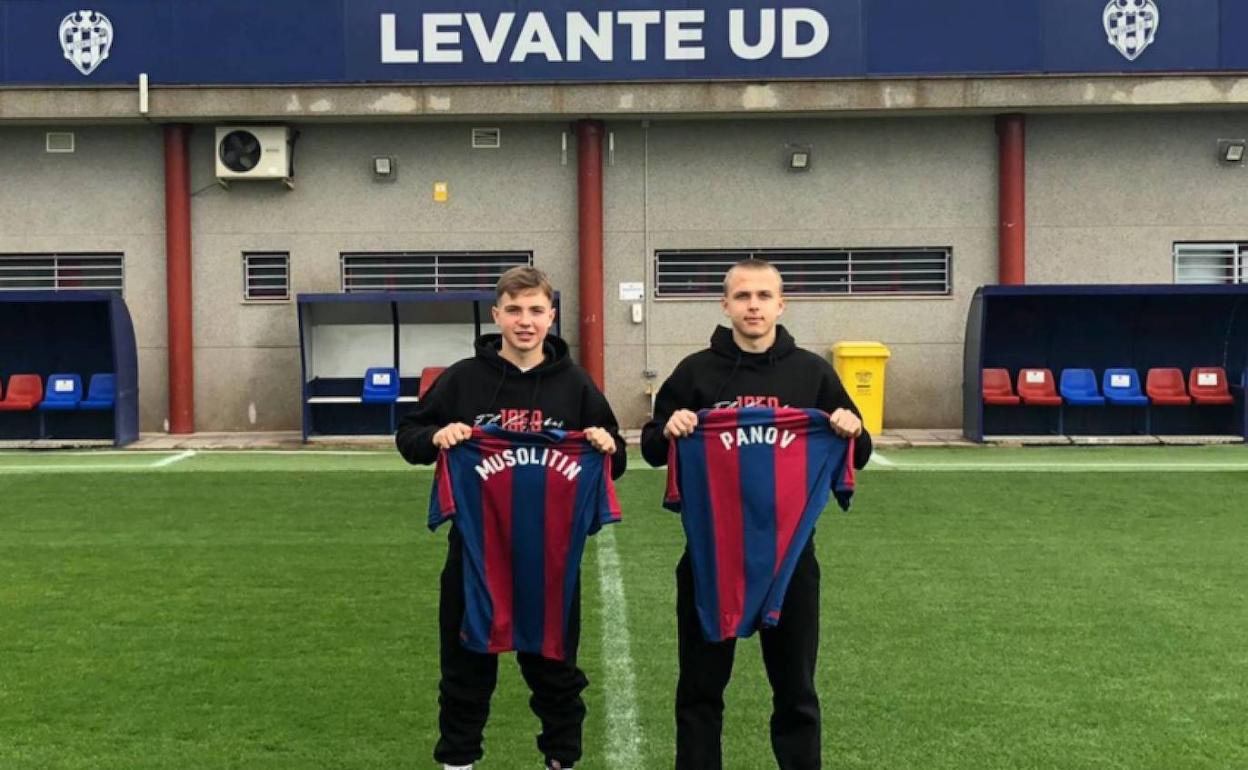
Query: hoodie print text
<point x="518" y="420"/>
<point x="741" y="402"/>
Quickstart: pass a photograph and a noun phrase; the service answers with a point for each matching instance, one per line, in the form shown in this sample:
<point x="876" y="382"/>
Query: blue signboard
<point x="496" y="41"/>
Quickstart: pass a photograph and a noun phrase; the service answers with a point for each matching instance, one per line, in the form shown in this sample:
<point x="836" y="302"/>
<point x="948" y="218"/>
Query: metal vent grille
<point x="428" y="271"/>
<point x="487" y="138"/>
<point x="1210" y="262"/>
<point x="59" y="141"/>
<point x="266" y="276"/>
<point x="61" y="272"/>
<point x="811" y="272"/>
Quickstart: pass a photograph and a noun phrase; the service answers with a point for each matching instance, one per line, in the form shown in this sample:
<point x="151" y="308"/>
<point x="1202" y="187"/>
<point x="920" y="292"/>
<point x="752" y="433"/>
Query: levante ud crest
<point x="86" y="37"/>
<point x="1131" y="25"/>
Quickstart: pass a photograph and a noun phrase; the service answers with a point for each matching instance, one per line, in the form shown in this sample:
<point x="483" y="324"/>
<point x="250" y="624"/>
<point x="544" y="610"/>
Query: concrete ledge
<point x="1114" y="440"/>
<point x="389" y="102"/>
<point x="1027" y="440"/>
<point x="1199" y="440"/>
<point x="223" y="440"/>
<point x="57" y="443"/>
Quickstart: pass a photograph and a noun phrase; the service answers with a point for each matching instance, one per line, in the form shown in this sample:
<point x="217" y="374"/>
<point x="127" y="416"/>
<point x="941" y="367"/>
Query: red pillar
<point x="178" y="279"/>
<point x="1012" y="200"/>
<point x="589" y="207"/>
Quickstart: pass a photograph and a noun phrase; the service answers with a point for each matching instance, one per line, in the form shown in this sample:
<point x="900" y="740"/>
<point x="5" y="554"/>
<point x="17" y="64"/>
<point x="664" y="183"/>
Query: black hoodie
<point x="724" y="375"/>
<point x="487" y="389"/>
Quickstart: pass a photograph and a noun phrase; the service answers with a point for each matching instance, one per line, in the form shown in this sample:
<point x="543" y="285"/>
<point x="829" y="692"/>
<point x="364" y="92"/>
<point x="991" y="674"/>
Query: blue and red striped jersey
<point x="749" y="485"/>
<point x="525" y="504"/>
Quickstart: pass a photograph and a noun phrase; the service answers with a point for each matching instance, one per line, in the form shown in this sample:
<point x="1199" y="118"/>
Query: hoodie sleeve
<point x="596" y="412"/>
<point x="675" y="393"/>
<point x="414" y="437"/>
<point x="832" y="396"/>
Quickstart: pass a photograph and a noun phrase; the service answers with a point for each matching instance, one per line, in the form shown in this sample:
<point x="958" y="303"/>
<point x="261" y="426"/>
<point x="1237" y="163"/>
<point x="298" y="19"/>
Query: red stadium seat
<point x="24" y="393"/>
<point x="1035" y="387"/>
<point x="1208" y="386"/>
<point x="428" y="376"/>
<point x="997" y="388"/>
<point x="1165" y="387"/>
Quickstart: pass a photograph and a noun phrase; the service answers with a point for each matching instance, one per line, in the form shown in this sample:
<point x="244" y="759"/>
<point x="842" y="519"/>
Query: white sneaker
<point x="456" y="767"/>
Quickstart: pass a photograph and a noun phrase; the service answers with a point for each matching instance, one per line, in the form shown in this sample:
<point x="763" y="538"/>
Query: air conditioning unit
<point x="253" y="152"/>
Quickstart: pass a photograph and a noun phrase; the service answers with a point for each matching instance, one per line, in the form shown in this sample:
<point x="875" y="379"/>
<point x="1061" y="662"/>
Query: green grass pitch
<point x="274" y="611"/>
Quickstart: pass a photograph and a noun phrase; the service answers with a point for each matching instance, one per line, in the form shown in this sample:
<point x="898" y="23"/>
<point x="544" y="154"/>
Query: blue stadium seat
<point x="381" y="386"/>
<point x="1078" y="387"/>
<point x="101" y="393"/>
<point x="1122" y="388"/>
<point x="63" y="393"/>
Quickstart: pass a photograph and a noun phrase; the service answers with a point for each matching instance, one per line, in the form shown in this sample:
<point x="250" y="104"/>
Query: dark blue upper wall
<point x="310" y="41"/>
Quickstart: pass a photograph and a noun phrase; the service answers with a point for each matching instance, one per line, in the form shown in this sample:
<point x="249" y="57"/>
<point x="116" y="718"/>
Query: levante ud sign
<point x="206" y="42"/>
<point x="574" y="36"/>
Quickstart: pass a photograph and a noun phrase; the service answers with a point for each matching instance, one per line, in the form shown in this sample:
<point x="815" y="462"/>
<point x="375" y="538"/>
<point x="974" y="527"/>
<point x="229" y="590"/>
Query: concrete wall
<point x="247" y="359"/>
<point x="873" y="182"/>
<point x="1108" y="194"/>
<point x="108" y="196"/>
<point x="711" y="184"/>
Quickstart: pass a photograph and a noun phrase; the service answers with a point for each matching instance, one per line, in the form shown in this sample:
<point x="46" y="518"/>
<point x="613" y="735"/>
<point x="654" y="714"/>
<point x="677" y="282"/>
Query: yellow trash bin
<point x="860" y="365"/>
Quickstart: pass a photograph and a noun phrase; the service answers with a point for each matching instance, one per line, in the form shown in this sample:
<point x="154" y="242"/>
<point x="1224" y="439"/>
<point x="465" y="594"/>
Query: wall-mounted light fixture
<point x="384" y="169"/>
<point x="1231" y="152"/>
<point x="797" y="157"/>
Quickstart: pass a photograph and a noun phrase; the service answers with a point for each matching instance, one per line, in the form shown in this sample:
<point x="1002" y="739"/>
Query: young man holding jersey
<point x="754" y="362"/>
<point x="521" y="379"/>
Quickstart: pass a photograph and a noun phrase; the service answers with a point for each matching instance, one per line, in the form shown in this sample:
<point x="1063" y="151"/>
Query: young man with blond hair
<point x="521" y="379"/>
<point x="753" y="362"/>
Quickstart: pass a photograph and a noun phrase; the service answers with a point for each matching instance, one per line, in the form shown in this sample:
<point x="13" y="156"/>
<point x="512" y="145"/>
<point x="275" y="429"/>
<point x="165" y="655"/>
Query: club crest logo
<point x="86" y="37"/>
<point x="1131" y="25"/>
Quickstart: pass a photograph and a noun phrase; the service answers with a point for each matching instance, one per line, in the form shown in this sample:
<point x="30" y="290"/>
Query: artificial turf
<point x="286" y="619"/>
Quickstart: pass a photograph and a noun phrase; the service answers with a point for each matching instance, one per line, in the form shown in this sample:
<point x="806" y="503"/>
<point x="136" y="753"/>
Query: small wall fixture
<point x="1231" y="152"/>
<point x="384" y="169"/>
<point x="797" y="157"/>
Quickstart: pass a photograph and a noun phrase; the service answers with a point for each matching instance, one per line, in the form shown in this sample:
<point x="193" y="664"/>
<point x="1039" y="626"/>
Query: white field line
<point x="304" y="452"/>
<point x="878" y="458"/>
<point x="188" y="454"/>
<point x="76" y="452"/>
<point x="13" y="469"/>
<point x="623" y="732"/>
<point x="1109" y="466"/>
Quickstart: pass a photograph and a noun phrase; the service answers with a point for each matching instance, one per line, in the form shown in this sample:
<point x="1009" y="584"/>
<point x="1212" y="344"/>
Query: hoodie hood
<point x="722" y="344"/>
<point x="556" y="359"/>
<point x="555" y="350"/>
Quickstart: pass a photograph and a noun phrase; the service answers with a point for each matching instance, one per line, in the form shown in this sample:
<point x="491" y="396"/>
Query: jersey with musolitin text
<point x="749" y="485"/>
<point x="525" y="504"/>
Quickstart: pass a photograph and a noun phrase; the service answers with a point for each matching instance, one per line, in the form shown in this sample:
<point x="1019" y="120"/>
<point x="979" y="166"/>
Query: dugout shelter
<point x="1097" y="344"/>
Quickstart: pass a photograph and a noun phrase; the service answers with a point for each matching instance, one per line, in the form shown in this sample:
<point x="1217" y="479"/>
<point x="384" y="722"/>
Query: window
<point x="61" y="272"/>
<point x="1210" y="262"/>
<point x="266" y="276"/>
<point x="428" y="271"/>
<point x="811" y="272"/>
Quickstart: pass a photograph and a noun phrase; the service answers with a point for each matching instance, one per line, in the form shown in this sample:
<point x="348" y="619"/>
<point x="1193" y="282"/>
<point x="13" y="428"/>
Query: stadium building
<point x="215" y="162"/>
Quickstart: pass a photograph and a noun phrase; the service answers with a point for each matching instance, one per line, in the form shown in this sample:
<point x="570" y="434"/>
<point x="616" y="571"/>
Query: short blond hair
<point x="522" y="278"/>
<point x="753" y="263"/>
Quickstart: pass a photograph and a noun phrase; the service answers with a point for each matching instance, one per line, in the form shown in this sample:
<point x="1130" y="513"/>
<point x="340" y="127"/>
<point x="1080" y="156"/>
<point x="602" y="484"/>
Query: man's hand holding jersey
<point x="845" y="423"/>
<point x="601" y="440"/>
<point x="682" y="423"/>
<point x="455" y="433"/>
